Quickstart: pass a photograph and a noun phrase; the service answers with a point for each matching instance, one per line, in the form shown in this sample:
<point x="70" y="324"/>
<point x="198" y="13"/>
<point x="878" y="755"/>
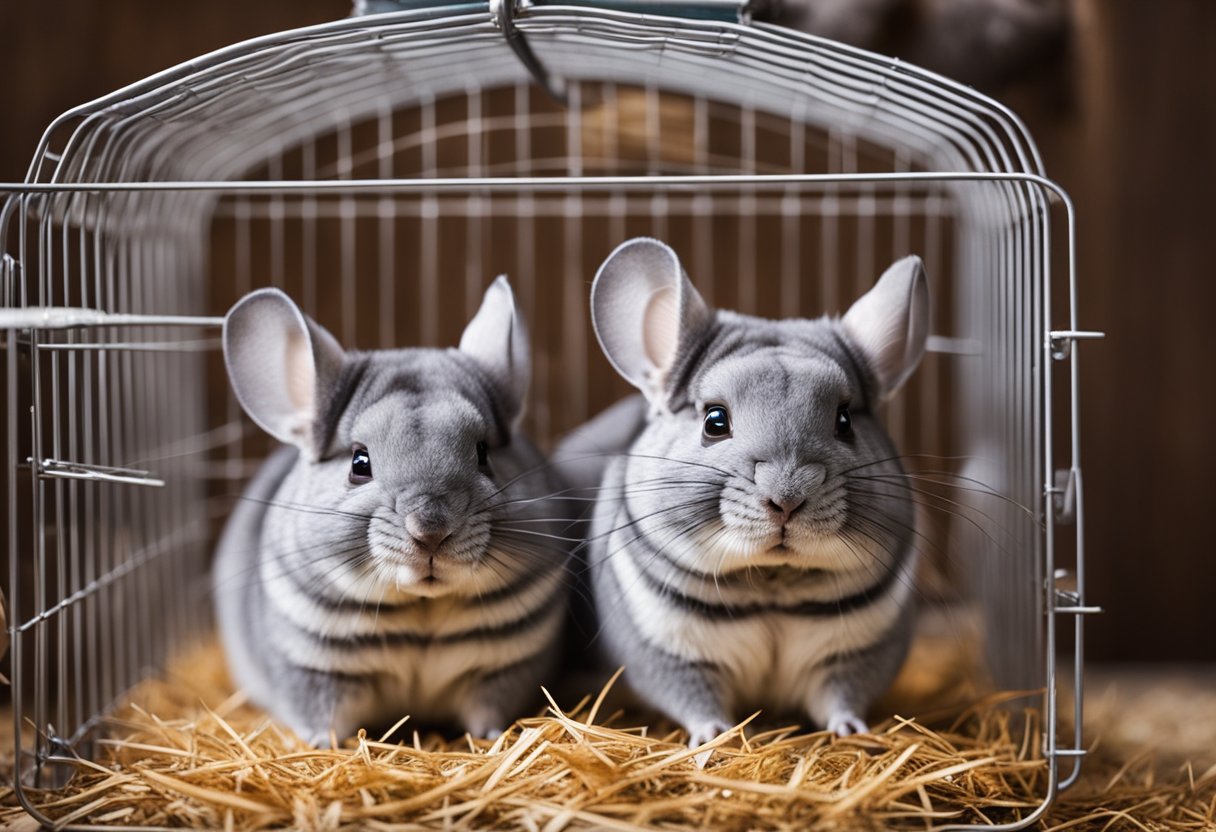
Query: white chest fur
<point x="767" y="660"/>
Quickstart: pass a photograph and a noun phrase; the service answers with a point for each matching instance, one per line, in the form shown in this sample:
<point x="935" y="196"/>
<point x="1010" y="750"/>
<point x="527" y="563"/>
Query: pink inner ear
<point x="660" y="327"/>
<point x="301" y="378"/>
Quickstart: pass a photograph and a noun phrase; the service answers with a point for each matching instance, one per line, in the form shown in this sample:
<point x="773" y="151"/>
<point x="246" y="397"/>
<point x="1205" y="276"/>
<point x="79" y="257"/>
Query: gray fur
<point x="771" y="568"/>
<point x="433" y="589"/>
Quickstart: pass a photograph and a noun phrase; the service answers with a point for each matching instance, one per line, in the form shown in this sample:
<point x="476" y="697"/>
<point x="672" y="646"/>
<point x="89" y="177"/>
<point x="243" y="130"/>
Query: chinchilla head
<point x="406" y="456"/>
<point x="762" y="448"/>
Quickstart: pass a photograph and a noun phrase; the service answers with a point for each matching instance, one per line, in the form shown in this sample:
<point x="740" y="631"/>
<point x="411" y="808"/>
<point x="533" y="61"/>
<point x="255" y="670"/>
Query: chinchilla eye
<point x="844" y="423"/>
<point x="483" y="454"/>
<point x="717" y="422"/>
<point x="360" y="465"/>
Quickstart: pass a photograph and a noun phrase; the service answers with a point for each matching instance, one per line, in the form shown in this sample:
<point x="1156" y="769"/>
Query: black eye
<point x="717" y="422"/>
<point x="483" y="454"/>
<point x="360" y="465"/>
<point x="844" y="423"/>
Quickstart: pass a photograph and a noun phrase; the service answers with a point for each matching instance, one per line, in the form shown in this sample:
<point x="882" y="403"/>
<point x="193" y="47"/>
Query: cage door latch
<point x="1062" y="340"/>
<point x="62" y="469"/>
<point x="1068" y="600"/>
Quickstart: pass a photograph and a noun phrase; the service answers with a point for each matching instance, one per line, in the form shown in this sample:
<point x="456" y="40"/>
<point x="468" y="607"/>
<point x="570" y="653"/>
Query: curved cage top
<point x="218" y="117"/>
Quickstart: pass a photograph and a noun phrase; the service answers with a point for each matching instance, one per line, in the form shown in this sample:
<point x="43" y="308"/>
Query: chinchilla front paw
<point x="485" y="722"/>
<point x="704" y="732"/>
<point x="847" y="723"/>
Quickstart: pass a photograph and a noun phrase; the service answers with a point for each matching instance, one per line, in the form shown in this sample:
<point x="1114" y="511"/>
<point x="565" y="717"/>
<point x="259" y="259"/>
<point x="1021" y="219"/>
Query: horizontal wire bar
<point x="1075" y="335"/>
<point x="539" y="183"/>
<point x="607" y="206"/>
<point x="194" y="345"/>
<point x="70" y="317"/>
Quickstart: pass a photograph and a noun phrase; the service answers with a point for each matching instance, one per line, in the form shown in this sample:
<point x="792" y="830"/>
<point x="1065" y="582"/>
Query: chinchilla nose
<point x="428" y="529"/>
<point x="784" y="505"/>
<point x="783" y="488"/>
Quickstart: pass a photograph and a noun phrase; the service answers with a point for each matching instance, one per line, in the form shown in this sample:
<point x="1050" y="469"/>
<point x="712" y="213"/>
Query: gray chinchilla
<point x="751" y="546"/>
<point x="373" y="568"/>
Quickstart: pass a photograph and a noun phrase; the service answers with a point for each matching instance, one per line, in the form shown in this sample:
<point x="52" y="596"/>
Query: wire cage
<point x="382" y="169"/>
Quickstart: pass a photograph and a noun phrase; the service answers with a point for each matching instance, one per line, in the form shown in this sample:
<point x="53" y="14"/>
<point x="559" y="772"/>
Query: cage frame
<point x="1062" y="489"/>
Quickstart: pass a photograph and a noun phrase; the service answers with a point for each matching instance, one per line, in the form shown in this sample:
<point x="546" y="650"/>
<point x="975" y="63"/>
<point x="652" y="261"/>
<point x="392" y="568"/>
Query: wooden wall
<point x="1132" y="141"/>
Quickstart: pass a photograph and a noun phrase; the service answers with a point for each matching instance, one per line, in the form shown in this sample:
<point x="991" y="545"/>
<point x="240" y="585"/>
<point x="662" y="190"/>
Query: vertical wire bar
<point x="92" y="514"/>
<point x="1078" y="507"/>
<point x="387" y="284"/>
<point x="62" y="513"/>
<point x="125" y="428"/>
<point x="654" y="159"/>
<point x="36" y="435"/>
<point x="1049" y="564"/>
<point x="347" y="212"/>
<point x="829" y="231"/>
<point x="276" y="212"/>
<point x="474" y="276"/>
<point x="18" y="600"/>
<point x="574" y="335"/>
<point x="140" y="384"/>
<point x="1012" y="241"/>
<point x="791" y="220"/>
<point x="703" y="204"/>
<point x="158" y="389"/>
<point x="308" y="240"/>
<point x="75" y="582"/>
<point x="242" y="256"/>
<point x="617" y="201"/>
<point x="745" y="201"/>
<point x="161" y="394"/>
<point x="106" y="510"/>
<point x="192" y="261"/>
<point x="933" y="405"/>
<point x="428" y="248"/>
<point x="526" y="253"/>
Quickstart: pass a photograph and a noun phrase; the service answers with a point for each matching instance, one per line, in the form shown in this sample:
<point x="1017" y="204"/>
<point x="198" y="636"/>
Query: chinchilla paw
<point x="846" y="723"/>
<point x="484" y="723"/>
<point x="703" y="733"/>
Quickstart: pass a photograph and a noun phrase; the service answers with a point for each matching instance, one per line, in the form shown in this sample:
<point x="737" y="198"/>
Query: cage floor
<point x="188" y="752"/>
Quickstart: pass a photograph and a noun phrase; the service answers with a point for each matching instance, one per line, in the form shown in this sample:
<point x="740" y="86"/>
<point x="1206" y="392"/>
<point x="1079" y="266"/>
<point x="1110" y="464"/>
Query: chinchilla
<point x="751" y="546"/>
<point x="379" y="565"/>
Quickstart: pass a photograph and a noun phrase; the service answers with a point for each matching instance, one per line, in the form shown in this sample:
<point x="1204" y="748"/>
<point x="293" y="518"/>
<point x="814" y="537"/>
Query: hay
<point x="192" y="754"/>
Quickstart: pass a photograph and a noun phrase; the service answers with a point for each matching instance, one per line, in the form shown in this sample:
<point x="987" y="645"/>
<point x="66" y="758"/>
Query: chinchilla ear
<point x="281" y="364"/>
<point x="645" y="310"/>
<point x="890" y="323"/>
<point x="498" y="338"/>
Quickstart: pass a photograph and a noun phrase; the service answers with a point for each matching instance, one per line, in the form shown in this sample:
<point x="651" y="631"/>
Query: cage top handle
<point x="504" y="12"/>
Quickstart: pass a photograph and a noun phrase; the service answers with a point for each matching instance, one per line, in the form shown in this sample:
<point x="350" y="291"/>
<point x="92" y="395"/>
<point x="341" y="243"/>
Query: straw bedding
<point x="189" y="753"/>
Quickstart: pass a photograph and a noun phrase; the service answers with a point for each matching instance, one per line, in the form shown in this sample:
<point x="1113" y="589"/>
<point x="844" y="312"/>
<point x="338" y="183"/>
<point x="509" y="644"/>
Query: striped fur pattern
<point x="770" y="567"/>
<point x="428" y="588"/>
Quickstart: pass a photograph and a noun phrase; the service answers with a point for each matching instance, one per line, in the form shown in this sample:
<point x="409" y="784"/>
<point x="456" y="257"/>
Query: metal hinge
<point x="1063" y="495"/>
<point x="503" y="14"/>
<point x="1062" y="340"/>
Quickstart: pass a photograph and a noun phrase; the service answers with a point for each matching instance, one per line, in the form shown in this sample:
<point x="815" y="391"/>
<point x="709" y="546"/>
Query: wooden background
<point x="1129" y="128"/>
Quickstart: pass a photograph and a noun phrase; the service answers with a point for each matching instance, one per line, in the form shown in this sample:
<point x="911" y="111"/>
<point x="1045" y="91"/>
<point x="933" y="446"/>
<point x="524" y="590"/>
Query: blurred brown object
<point x="3" y="631"/>
<point x="984" y="43"/>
